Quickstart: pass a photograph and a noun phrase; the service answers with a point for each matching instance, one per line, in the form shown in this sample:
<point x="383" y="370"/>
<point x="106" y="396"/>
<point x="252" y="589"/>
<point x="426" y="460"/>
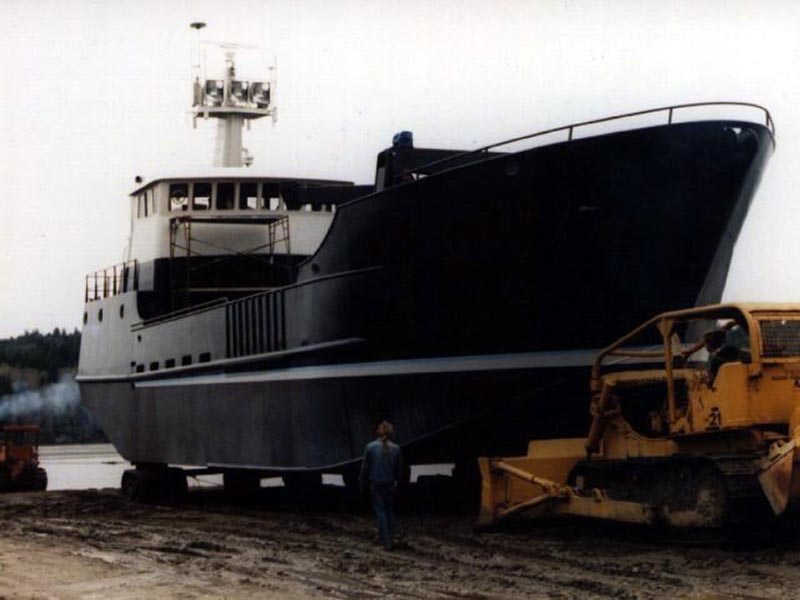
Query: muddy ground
<point x="93" y="544"/>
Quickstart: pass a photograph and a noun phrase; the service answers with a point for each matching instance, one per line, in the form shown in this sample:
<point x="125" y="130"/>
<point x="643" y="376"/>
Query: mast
<point x="230" y="100"/>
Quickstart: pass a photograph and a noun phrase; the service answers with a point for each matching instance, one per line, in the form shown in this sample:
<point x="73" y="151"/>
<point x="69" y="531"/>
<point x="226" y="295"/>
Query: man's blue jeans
<point x="383" y="505"/>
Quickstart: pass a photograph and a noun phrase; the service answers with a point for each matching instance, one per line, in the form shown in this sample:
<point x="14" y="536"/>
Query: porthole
<point x="121" y="311"/>
<point x="512" y="168"/>
<point x="85" y="318"/>
<point x="100" y="315"/>
<point x="314" y="268"/>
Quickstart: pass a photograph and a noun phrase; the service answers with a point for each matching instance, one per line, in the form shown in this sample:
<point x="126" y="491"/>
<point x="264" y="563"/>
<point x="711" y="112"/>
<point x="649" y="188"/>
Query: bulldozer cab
<point x="721" y="367"/>
<point x="19" y="443"/>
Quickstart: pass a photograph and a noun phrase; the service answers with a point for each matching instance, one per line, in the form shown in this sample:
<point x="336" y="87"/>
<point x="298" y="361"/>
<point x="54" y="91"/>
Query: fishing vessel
<point x="265" y="324"/>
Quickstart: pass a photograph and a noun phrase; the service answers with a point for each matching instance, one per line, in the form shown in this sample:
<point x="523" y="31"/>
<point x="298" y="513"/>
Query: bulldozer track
<point x="660" y="481"/>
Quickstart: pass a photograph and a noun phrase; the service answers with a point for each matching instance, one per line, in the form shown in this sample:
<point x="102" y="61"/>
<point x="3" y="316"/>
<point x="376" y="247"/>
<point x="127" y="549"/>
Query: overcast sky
<point x="94" y="93"/>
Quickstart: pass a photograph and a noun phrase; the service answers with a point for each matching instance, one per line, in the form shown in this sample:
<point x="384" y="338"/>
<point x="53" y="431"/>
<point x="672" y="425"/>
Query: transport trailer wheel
<point x="467" y="482"/>
<point x="31" y="479"/>
<point x="139" y="485"/>
<point x="405" y="474"/>
<point x="241" y="483"/>
<point x="5" y="481"/>
<point x="154" y="483"/>
<point x="174" y="486"/>
<point x="302" y="481"/>
<point x="352" y="479"/>
<point x="39" y="480"/>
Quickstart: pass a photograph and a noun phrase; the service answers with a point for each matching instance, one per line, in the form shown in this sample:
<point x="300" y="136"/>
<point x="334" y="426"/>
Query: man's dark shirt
<point x="381" y="465"/>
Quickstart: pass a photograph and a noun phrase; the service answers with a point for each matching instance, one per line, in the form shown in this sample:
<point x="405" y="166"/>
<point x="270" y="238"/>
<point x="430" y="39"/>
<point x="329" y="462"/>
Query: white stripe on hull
<point x="450" y="364"/>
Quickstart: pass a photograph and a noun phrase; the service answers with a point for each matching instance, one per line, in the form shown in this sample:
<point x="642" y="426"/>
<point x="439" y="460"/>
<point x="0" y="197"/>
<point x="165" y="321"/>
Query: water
<point x="81" y="467"/>
<point x="87" y="466"/>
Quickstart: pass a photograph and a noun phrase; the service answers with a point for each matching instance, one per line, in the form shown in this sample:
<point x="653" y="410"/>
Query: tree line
<point x="48" y="353"/>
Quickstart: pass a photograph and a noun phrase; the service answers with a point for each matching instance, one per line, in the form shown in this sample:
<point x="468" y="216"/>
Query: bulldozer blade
<point x="776" y="478"/>
<point x="535" y="481"/>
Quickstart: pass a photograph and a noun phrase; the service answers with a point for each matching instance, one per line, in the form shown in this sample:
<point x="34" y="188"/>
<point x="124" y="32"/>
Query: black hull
<point x="564" y="246"/>
<point x="558" y="249"/>
<point x="323" y="423"/>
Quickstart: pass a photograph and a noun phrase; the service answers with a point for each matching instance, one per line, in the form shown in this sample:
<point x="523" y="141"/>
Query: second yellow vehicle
<point x="695" y="435"/>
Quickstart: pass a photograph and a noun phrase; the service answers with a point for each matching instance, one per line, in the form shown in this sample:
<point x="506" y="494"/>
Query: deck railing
<point x="256" y="324"/>
<point x="569" y="130"/>
<point x="118" y="279"/>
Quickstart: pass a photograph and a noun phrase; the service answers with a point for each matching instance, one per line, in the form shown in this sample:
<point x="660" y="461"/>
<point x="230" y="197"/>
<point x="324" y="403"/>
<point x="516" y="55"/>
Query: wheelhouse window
<point x="272" y="197"/>
<point x="150" y="202"/>
<point x="178" y="197"/>
<point x="248" y="195"/>
<point x="201" y="197"/>
<point x="225" y="195"/>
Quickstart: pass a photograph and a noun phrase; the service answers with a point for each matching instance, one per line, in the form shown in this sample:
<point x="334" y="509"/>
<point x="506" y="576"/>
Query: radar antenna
<point x="234" y="102"/>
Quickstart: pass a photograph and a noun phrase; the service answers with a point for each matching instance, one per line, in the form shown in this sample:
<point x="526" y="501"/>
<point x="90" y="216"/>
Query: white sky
<point x="93" y="93"/>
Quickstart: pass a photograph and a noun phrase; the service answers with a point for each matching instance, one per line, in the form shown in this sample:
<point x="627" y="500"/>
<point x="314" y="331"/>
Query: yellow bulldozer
<point x="695" y="435"/>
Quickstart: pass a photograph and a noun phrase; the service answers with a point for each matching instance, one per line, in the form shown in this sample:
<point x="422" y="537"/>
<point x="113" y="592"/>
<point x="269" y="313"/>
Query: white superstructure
<point x="218" y="210"/>
<point x="214" y="202"/>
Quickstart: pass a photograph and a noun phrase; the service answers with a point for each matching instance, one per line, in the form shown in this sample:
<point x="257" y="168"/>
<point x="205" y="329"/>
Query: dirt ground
<point x="93" y="544"/>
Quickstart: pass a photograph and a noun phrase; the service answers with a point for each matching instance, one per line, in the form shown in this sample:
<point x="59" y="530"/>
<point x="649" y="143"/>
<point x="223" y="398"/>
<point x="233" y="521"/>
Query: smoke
<point x="54" y="400"/>
<point x="55" y="408"/>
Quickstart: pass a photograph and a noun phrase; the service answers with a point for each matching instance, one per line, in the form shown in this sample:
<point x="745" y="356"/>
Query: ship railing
<point x="117" y="279"/>
<point x="569" y="131"/>
<point x="255" y="324"/>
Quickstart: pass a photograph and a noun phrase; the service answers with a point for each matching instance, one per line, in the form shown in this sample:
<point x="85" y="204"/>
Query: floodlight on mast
<point x="233" y="101"/>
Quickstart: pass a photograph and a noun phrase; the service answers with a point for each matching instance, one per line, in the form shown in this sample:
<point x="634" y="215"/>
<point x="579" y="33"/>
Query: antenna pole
<point x="198" y="71"/>
<point x="233" y="101"/>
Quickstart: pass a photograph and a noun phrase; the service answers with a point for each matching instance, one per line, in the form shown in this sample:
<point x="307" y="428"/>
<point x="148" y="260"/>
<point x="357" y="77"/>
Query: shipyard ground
<point x="93" y="544"/>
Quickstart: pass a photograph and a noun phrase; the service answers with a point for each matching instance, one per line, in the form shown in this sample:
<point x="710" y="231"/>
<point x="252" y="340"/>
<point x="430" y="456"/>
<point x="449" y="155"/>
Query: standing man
<point x="380" y="473"/>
